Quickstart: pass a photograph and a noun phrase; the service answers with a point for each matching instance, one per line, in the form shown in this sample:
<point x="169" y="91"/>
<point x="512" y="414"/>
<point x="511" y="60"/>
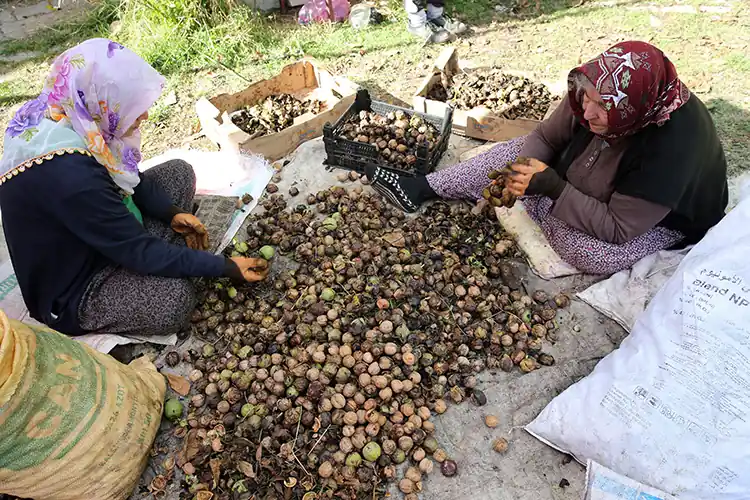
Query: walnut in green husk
<point x="497" y="194"/>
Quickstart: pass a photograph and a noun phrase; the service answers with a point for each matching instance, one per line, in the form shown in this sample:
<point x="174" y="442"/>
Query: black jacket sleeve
<point x="153" y="201"/>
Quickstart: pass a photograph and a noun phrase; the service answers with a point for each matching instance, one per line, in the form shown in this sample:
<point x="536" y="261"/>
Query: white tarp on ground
<point x="671" y="407"/>
<point x="625" y="295"/>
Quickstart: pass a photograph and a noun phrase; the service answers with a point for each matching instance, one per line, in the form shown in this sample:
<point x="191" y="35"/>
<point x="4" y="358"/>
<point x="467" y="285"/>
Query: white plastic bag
<point x="671" y="407"/>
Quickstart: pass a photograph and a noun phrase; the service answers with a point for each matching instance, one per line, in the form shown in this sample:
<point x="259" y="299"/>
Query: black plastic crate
<point x="352" y="155"/>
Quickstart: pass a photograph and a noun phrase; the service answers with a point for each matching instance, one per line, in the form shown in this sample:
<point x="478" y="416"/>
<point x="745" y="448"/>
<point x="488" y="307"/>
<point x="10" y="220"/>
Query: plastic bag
<point x="317" y="11"/>
<point x="74" y="423"/>
<point x="671" y="407"/>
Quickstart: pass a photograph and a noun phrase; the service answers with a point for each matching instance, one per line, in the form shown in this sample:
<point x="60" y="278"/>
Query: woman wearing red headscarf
<point x="629" y="164"/>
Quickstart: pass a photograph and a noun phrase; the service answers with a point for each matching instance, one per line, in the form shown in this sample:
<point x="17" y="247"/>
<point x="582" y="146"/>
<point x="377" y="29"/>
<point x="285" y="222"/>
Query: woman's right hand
<point x="251" y="269"/>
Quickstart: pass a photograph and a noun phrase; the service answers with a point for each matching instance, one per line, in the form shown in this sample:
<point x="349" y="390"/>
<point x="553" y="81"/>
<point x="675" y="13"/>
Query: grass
<point x="174" y="39"/>
<point x="219" y="50"/>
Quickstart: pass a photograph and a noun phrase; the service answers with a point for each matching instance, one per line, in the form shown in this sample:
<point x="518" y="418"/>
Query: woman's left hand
<point x="192" y="229"/>
<point x="518" y="181"/>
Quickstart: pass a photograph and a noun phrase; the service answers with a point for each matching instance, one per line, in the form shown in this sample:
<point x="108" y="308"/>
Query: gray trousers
<point x="421" y="11"/>
<point x="123" y="302"/>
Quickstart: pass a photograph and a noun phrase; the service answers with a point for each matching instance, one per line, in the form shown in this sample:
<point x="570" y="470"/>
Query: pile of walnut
<point x="395" y="135"/>
<point x="319" y="382"/>
<point x="273" y="114"/>
<point x="507" y="96"/>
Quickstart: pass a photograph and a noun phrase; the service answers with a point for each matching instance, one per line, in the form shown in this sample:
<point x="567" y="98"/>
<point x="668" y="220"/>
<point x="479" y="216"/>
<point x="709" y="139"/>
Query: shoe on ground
<point x="387" y="184"/>
<point x="430" y="33"/>
<point x="450" y="25"/>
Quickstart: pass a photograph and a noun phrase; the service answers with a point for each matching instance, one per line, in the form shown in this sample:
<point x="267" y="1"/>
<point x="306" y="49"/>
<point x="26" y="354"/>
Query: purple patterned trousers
<point x="465" y="181"/>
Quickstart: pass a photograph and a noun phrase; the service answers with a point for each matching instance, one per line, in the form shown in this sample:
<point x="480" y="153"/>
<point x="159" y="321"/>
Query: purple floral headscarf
<point x="91" y="99"/>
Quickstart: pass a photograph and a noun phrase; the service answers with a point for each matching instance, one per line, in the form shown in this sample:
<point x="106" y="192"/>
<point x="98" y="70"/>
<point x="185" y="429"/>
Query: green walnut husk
<point x="267" y="252"/>
<point x="354" y="460"/>
<point x="173" y="409"/>
<point x="371" y="451"/>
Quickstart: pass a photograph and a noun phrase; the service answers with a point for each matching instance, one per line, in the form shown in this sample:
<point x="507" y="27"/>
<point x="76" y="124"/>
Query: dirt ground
<point x="708" y="42"/>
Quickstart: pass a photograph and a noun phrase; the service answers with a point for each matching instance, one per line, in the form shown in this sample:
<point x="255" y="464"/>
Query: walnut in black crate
<point x="395" y="135"/>
<point x="380" y="134"/>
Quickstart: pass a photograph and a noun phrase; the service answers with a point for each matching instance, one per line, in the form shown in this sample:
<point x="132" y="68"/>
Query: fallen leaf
<point x="290" y="482"/>
<point x="180" y="385"/>
<point x="307" y="484"/>
<point x="395" y="239"/>
<point x="190" y="448"/>
<point x="246" y="468"/>
<point x="204" y="495"/>
<point x="215" y="465"/>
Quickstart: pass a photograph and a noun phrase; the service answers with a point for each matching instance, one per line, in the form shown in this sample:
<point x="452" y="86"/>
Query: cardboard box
<point x="303" y="79"/>
<point x="480" y="122"/>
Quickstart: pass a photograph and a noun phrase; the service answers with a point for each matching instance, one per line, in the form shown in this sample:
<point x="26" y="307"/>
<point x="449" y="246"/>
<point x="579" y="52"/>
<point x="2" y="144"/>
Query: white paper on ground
<point x="671" y="407"/>
<point x="105" y="342"/>
<point x="604" y="484"/>
<point x="625" y="295"/>
<point x="223" y="173"/>
<point x="542" y="258"/>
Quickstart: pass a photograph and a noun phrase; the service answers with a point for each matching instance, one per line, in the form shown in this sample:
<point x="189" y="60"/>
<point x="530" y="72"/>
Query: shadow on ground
<point x="733" y="125"/>
<point x="11" y="64"/>
<point x="379" y="93"/>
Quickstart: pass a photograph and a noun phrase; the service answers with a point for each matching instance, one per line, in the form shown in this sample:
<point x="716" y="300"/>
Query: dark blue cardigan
<point x="65" y="220"/>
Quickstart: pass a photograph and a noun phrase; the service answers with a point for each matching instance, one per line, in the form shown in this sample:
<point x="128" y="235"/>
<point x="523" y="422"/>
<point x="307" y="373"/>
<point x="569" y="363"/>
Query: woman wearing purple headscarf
<point x="98" y="247"/>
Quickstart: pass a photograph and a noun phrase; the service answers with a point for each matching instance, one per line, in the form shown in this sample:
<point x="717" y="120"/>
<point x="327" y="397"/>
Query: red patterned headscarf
<point x="638" y="84"/>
